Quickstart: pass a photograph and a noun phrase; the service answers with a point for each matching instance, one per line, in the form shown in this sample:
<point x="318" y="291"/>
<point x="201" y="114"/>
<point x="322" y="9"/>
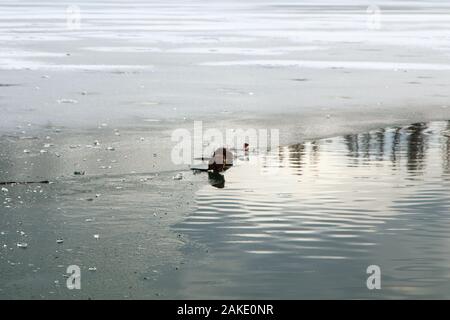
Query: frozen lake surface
<point x="125" y="63"/>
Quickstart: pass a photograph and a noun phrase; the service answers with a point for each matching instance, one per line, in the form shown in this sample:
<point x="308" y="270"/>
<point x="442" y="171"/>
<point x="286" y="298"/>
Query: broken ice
<point x="178" y="176"/>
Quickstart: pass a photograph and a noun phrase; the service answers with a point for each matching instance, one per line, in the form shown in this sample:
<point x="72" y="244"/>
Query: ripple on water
<point x="331" y="208"/>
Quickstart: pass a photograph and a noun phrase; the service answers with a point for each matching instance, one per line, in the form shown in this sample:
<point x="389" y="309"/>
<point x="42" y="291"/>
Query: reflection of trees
<point x="365" y="145"/>
<point x="291" y="156"/>
<point x="352" y="144"/>
<point x="351" y="141"/>
<point x="446" y="152"/>
<point x="296" y="153"/>
<point x="380" y="137"/>
<point x="416" y="147"/>
<point x="409" y="143"/>
<point x="373" y="146"/>
<point x="280" y="156"/>
<point x="315" y="152"/>
<point x="396" y="138"/>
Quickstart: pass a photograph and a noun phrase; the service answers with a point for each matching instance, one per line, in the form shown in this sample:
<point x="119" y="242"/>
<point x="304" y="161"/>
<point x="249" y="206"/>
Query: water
<point x="89" y="207"/>
<point x="306" y="221"/>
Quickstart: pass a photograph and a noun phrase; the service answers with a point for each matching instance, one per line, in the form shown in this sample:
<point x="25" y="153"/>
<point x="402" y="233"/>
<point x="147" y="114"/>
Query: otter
<point x="221" y="160"/>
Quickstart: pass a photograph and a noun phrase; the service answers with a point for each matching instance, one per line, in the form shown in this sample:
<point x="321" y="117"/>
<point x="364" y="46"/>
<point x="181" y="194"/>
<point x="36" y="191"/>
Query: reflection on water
<point x="216" y="179"/>
<point x="310" y="218"/>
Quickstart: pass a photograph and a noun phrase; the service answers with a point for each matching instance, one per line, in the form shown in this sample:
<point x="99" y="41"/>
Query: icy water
<point x="306" y="222"/>
<point x="303" y="222"/>
<point x="113" y="221"/>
